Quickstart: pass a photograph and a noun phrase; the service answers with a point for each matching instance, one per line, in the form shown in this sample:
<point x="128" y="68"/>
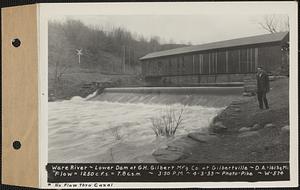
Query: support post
<point x="193" y="65"/>
<point x="226" y="61"/>
<point x="208" y="63"/>
<point x="239" y="61"/>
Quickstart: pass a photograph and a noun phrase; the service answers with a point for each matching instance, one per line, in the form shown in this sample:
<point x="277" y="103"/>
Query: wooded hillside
<point x="104" y="53"/>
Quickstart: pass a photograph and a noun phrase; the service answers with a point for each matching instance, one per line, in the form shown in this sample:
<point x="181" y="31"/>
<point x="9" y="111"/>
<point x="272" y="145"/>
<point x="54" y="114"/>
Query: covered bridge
<point x="218" y="62"/>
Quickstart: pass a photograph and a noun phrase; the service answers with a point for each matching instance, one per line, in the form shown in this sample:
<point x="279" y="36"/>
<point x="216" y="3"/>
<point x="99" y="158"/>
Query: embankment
<point x="240" y="133"/>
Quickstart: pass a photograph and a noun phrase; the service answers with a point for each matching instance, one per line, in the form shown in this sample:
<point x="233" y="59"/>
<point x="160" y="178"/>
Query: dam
<point x="201" y="96"/>
<point x="115" y="125"/>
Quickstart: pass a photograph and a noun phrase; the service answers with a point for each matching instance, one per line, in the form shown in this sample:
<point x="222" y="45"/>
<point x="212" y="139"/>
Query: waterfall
<point x="203" y="96"/>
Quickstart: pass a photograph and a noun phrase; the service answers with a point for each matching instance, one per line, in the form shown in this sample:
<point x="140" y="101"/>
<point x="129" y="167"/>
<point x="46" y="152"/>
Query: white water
<point x="85" y="131"/>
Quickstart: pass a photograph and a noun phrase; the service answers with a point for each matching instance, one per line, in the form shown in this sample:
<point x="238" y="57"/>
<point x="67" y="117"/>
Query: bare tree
<point x="275" y="23"/>
<point x="59" y="71"/>
<point x="61" y="56"/>
<point x="167" y="123"/>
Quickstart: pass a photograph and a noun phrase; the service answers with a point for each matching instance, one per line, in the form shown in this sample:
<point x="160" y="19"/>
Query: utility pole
<point x="124" y="58"/>
<point x="79" y="53"/>
<point x="129" y="57"/>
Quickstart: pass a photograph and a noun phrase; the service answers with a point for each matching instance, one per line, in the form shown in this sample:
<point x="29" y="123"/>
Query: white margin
<point x="172" y="8"/>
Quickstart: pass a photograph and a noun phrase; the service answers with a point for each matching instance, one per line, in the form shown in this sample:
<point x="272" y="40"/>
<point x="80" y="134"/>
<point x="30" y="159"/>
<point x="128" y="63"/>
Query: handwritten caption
<point x="167" y="172"/>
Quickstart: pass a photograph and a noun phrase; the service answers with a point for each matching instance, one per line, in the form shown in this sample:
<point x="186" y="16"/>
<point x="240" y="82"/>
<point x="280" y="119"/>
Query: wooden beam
<point x="247" y="60"/>
<point x="250" y="59"/>
<point x="193" y="64"/>
<point x="216" y="62"/>
<point x="208" y="63"/>
<point x="200" y="64"/>
<point x="256" y="58"/>
<point x="226" y="61"/>
<point x="239" y="61"/>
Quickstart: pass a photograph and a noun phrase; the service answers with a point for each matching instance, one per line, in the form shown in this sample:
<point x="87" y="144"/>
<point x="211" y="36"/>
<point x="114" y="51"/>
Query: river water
<point x="103" y="131"/>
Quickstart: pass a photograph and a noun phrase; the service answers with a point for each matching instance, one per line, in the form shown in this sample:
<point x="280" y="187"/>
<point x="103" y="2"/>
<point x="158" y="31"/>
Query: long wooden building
<point x="218" y="62"/>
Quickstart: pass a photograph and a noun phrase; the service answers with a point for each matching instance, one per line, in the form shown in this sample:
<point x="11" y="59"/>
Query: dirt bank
<point x="240" y="133"/>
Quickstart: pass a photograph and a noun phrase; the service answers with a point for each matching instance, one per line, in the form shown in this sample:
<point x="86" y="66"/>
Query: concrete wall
<point x="195" y="80"/>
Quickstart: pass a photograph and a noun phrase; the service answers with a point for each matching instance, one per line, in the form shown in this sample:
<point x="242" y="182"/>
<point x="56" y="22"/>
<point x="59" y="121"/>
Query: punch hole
<point x="16" y="42"/>
<point x="17" y="145"/>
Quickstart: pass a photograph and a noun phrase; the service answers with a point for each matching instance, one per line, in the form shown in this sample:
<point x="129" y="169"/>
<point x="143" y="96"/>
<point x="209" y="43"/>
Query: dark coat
<point x="263" y="82"/>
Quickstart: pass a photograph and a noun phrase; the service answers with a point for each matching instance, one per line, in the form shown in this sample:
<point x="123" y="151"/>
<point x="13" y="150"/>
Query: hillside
<point x="106" y="56"/>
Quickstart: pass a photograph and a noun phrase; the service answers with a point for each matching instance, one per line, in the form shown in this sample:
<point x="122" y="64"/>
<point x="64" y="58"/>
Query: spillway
<point x="203" y="96"/>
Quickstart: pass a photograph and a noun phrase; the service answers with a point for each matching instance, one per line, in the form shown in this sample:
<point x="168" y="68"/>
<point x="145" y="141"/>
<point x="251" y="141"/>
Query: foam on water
<point x="207" y="100"/>
<point x="104" y="131"/>
<point x="115" y="126"/>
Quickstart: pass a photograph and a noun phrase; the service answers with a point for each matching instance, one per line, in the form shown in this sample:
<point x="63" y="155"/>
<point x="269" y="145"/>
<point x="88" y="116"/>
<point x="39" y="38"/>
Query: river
<point x="102" y="131"/>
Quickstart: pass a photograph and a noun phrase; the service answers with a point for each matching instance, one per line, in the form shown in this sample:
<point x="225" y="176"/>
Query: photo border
<point x="48" y="10"/>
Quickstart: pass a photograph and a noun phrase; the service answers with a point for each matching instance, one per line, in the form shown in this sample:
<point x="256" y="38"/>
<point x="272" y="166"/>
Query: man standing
<point x="263" y="87"/>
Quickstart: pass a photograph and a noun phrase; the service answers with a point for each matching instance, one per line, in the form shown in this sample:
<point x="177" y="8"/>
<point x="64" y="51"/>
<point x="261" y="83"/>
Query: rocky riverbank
<point x="240" y="133"/>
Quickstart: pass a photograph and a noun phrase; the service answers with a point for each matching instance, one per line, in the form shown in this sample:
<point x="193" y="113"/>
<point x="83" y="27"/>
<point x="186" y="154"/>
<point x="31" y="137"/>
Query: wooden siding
<point x="270" y="58"/>
<point x="231" y="61"/>
<point x="221" y="62"/>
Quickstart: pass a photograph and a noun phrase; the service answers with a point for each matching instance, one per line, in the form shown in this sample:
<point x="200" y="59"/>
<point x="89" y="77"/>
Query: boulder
<point x="272" y="78"/>
<point x="254" y="154"/>
<point x="244" y="129"/>
<point x="218" y="127"/>
<point x="144" y="159"/>
<point x="285" y="128"/>
<point x="200" y="137"/>
<point x="255" y="127"/>
<point x="237" y="110"/>
<point x="164" y="146"/>
<point x="248" y="134"/>
<point x="269" y="125"/>
<point x="248" y="94"/>
<point x="181" y="143"/>
<point x="168" y="155"/>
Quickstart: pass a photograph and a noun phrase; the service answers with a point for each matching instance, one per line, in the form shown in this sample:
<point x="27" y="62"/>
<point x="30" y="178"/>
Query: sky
<point x="194" y="29"/>
<point x="180" y="22"/>
<point x="196" y="23"/>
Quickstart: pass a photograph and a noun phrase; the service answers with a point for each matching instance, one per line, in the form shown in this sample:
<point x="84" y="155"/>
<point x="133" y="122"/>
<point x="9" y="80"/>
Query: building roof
<point x="260" y="39"/>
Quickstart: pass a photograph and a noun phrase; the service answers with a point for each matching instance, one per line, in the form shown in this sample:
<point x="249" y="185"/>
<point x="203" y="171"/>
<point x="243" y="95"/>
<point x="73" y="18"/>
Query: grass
<point x="167" y="123"/>
<point x="269" y="145"/>
<point x="73" y="80"/>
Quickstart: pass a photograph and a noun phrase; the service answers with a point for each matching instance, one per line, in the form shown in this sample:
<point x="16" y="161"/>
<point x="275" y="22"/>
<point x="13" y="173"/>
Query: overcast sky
<point x="196" y="29"/>
<point x="181" y="22"/>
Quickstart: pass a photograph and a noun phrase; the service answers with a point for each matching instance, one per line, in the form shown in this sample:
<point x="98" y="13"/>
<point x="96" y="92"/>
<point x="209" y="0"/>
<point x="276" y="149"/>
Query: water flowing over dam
<point x="115" y="126"/>
<point x="201" y="96"/>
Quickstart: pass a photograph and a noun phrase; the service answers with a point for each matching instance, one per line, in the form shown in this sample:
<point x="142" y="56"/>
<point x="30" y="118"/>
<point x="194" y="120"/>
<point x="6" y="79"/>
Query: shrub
<point x="167" y="122"/>
<point x="112" y="160"/>
<point x="116" y="133"/>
